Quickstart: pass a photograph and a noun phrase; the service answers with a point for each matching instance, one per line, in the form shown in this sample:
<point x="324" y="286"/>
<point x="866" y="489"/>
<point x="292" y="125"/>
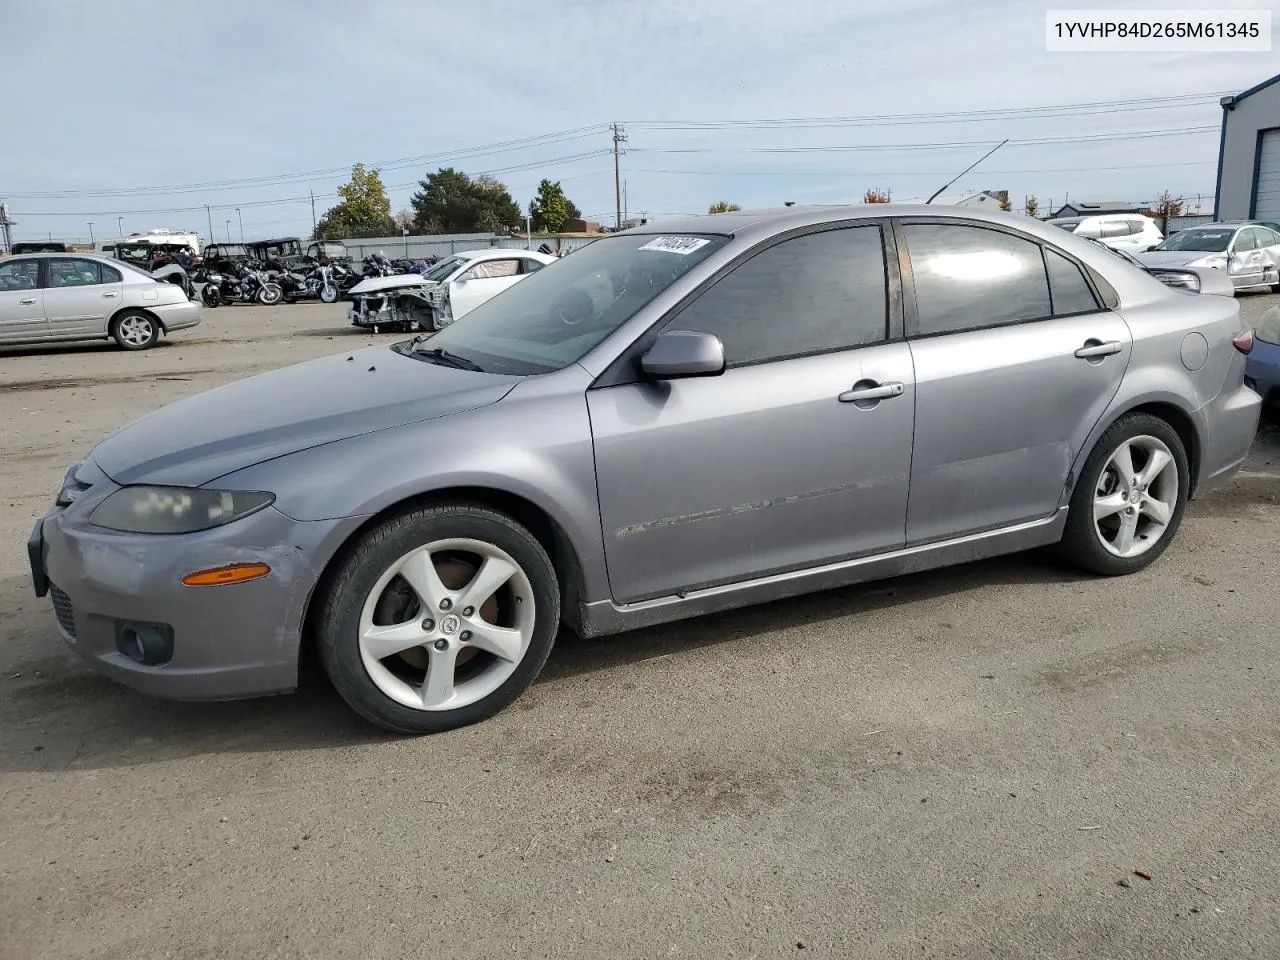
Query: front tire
<point x="438" y="618"/>
<point x="1129" y="500"/>
<point x="209" y="295"/>
<point x="329" y="294"/>
<point x="135" y="330"/>
<point x="270" y="294"/>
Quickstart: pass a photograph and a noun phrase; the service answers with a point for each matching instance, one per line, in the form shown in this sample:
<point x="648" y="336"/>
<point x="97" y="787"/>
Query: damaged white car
<point x="451" y="288"/>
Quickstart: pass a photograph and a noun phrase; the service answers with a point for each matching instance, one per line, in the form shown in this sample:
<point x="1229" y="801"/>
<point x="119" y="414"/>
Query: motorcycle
<point x="317" y="283"/>
<point x="247" y="286"/>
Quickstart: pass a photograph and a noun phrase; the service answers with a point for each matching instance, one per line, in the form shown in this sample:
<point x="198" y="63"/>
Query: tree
<point x="452" y="202"/>
<point x="876" y="195"/>
<point x="550" y="208"/>
<point x="403" y="220"/>
<point x="723" y="206"/>
<point x="1005" y="205"/>
<point x="1166" y="205"/>
<point x="365" y="210"/>
<point x="1033" y="206"/>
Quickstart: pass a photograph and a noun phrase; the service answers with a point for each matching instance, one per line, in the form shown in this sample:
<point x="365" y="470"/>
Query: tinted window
<point x="824" y="291"/>
<point x="967" y="278"/>
<point x="1115" y="228"/>
<point x="73" y="272"/>
<point x="1070" y="290"/>
<point x="530" y="265"/>
<point x="19" y="274"/>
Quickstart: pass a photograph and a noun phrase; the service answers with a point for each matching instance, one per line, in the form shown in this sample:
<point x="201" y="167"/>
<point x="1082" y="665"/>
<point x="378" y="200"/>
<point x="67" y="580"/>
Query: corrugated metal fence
<point x="443" y="245"/>
<point x="1170" y="225"/>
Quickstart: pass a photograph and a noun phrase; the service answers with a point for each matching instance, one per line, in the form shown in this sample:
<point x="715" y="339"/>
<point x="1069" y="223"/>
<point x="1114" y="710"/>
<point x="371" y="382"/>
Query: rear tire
<point x="445" y="672"/>
<point x="135" y="330"/>
<point x="1127" y="506"/>
<point x="270" y="294"/>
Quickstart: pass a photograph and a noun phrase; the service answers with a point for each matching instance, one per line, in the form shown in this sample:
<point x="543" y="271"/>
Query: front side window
<point x="73" y="272"/>
<point x="1245" y="240"/>
<point x="968" y="278"/>
<point x="19" y="275"/>
<point x="493" y="270"/>
<point x="556" y="317"/>
<point x="810" y="294"/>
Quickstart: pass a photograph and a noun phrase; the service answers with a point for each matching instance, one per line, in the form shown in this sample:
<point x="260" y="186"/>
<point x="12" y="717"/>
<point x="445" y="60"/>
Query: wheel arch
<point x="143" y="310"/>
<point x="544" y="527"/>
<point x="1169" y="409"/>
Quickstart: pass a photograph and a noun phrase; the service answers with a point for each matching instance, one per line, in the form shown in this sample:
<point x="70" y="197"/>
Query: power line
<point x="913" y="173"/>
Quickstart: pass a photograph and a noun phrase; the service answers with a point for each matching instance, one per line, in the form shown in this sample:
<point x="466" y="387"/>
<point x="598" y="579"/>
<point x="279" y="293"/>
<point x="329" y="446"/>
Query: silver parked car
<point x="46" y="298"/>
<point x="1248" y="253"/>
<point x="694" y="416"/>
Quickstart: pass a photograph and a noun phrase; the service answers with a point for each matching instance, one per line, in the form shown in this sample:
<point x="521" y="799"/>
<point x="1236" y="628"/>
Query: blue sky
<point x="106" y="103"/>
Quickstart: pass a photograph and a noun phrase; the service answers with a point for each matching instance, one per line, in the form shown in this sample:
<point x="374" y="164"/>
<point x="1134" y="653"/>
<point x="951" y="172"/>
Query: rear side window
<point x="1067" y="286"/>
<point x="110" y="274"/>
<point x="1137" y="226"/>
<point x="968" y="278"/>
<point x="1115" y="228"/>
<point x="810" y="294"/>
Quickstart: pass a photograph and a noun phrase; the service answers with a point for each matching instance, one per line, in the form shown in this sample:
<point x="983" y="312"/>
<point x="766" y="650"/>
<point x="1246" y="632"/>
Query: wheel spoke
<point x="1155" y="466"/>
<point x="380" y="642"/>
<point x="1123" y="462"/>
<point x="1157" y="510"/>
<point x="419" y="571"/>
<point x="492" y="574"/>
<point x="504" y="642"/>
<point x="1128" y="529"/>
<point x="437" y="689"/>
<point x="1109" y="505"/>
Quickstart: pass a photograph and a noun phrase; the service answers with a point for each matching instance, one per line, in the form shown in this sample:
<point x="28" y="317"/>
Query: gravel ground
<point x="1004" y="759"/>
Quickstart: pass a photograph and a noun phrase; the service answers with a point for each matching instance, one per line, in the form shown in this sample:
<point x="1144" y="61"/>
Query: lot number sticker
<point x="681" y="245"/>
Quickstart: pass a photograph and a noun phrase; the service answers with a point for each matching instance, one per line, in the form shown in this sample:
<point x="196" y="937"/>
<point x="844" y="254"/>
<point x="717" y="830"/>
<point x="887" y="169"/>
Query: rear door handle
<point x="27" y="303"/>
<point x="1096" y="349"/>
<point x="869" y="390"/>
<point x="108" y="294"/>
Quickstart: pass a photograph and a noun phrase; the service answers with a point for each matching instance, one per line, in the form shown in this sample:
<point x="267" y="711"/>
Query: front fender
<point x="537" y="448"/>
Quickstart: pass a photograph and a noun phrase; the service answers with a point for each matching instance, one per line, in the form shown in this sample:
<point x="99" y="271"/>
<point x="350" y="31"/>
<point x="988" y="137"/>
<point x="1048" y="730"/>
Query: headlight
<point x="1268" y="327"/>
<point x="175" y="509"/>
<point x="1215" y="261"/>
<point x="1173" y="278"/>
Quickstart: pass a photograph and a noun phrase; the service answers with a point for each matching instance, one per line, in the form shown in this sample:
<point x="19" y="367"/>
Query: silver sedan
<point x="55" y="297"/>
<point x="695" y="416"/>
<point x="1248" y="253"/>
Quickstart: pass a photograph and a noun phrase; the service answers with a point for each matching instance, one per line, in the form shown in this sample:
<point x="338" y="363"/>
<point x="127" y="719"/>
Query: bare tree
<point x="876" y="195"/>
<point x="1166" y="205"/>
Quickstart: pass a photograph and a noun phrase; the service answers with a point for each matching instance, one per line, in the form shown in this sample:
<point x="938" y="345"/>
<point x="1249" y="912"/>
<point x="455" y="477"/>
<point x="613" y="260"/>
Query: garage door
<point x="1266" y="204"/>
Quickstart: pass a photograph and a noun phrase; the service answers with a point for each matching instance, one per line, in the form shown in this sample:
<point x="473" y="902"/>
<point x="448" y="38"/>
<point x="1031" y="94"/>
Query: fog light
<point x="147" y="643"/>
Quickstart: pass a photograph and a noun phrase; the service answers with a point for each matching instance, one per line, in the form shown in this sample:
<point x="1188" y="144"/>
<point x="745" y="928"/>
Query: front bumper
<point x="231" y="641"/>
<point x="178" y="316"/>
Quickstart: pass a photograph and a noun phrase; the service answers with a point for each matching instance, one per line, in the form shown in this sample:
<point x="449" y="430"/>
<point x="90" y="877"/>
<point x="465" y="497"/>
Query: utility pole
<point x="313" y="214"/>
<point x="120" y="227"/>
<point x="208" y="214"/>
<point x="619" y="137"/>
<point x="91" y="233"/>
<point x="626" y="213"/>
<point x="238" y="214"/>
<point x="228" y="231"/>
<point x="6" y="241"/>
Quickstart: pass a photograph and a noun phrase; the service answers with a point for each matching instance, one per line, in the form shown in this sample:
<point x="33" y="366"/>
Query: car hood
<point x="1171" y="258"/>
<point x="397" y="282"/>
<point x="211" y="434"/>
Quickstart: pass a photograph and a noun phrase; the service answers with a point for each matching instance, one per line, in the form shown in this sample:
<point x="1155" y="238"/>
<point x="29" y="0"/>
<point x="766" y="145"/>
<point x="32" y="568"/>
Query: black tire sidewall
<point x="1080" y="542"/>
<point x="338" y="625"/>
<point x="124" y="344"/>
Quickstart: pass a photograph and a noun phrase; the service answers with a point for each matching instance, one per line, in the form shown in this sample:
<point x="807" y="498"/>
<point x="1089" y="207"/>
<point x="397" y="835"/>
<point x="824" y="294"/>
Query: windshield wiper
<point x="443" y="356"/>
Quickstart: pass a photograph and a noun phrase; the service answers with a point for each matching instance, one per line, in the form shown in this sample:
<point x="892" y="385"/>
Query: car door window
<point x="807" y="295"/>
<point x="494" y="269"/>
<point x="73" y="272"/>
<point x="968" y="278"/>
<point x="1068" y="289"/>
<point x="531" y="265"/>
<point x="1266" y="237"/>
<point x="109" y="273"/>
<point x="1244" y="240"/>
<point x="20" y="275"/>
<point x="1136" y="227"/>
<point x="1114" y="228"/>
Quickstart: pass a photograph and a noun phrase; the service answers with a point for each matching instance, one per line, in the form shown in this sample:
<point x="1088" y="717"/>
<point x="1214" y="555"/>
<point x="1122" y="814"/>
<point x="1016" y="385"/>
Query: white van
<point x="1130" y="232"/>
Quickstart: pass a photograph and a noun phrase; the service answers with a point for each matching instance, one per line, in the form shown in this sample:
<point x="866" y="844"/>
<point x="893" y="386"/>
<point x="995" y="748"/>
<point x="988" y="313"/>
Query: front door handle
<point x="1096" y="349"/>
<point x="27" y="302"/>
<point x="108" y="295"/>
<point x="868" y="391"/>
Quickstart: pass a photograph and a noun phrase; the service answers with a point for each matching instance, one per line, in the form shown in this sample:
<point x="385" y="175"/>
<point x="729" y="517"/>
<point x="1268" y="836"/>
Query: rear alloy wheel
<point x="135" y="331"/>
<point x="1129" y="500"/>
<point x="439" y="618"/>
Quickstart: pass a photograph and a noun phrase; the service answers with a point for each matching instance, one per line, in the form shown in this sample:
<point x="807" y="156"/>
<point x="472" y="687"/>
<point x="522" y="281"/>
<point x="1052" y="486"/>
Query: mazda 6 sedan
<point x="680" y="419"/>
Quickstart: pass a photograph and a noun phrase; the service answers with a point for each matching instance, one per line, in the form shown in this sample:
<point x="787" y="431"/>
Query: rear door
<point x="80" y="295"/>
<point x="21" y="301"/>
<point x="1015" y="362"/>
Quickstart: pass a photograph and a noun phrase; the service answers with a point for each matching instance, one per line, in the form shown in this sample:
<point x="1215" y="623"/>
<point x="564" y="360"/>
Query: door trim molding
<point x="606" y="617"/>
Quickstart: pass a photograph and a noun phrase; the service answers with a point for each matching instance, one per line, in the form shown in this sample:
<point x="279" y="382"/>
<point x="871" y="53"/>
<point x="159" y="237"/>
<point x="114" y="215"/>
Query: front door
<point x="80" y="295"/>
<point x="486" y="279"/>
<point x="1015" y="362"/>
<point x="21" y="301"/>
<point x="797" y="455"/>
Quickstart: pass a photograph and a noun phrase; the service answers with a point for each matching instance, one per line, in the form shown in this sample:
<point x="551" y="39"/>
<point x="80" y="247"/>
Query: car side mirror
<point x="683" y="353"/>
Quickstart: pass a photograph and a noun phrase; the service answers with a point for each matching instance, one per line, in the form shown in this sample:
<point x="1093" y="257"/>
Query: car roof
<point x="491" y="253"/>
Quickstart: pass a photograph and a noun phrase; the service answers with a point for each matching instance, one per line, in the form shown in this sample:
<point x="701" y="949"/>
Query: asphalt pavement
<point x="1006" y="759"/>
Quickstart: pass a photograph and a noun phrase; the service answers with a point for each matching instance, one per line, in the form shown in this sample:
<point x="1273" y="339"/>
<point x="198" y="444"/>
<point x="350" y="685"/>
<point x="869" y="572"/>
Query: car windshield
<point x="555" y="316"/>
<point x="443" y="268"/>
<point x="1209" y="241"/>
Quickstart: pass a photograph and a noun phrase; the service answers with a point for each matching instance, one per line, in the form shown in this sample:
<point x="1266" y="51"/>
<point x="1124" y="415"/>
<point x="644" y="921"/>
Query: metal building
<point x="1249" y="155"/>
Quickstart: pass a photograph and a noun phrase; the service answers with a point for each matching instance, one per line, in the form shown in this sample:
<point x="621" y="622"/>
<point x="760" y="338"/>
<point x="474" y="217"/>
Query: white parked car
<point x="453" y="287"/>
<point x="61" y="297"/>
<point x="1130" y="232"/>
<point x="1248" y="252"/>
